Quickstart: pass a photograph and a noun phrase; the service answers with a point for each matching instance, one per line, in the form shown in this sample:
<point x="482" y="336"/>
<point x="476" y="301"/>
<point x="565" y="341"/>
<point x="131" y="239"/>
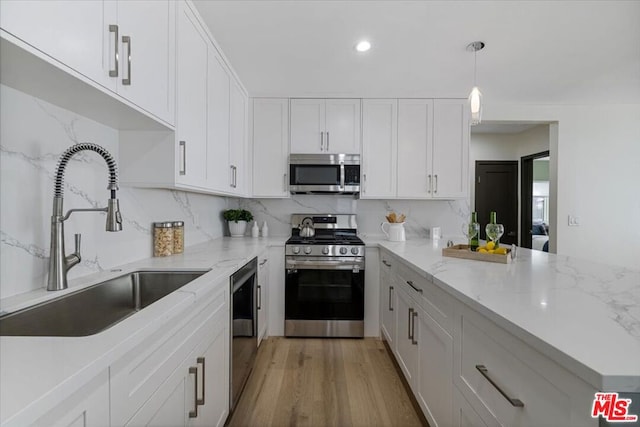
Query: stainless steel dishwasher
<point x="244" y="327"/>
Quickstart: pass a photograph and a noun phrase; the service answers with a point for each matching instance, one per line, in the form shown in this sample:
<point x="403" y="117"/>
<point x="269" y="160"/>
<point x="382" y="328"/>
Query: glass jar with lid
<point x="178" y="237"/>
<point x="162" y="238"/>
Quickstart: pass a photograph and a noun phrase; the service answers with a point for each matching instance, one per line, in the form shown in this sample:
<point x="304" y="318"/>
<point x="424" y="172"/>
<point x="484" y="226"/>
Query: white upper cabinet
<point x="450" y="148"/>
<point x="379" y="148"/>
<point x="415" y="145"/>
<point x="146" y="50"/>
<point x="126" y="47"/>
<point x="238" y="144"/>
<point x="73" y="33"/>
<point x="325" y="126"/>
<point x="433" y="149"/>
<point x="219" y="171"/>
<point x="270" y="147"/>
<point x="191" y="126"/>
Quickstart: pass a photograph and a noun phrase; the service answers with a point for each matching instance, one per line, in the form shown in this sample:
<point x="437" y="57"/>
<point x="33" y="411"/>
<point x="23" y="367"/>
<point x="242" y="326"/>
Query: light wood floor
<point x="324" y="382"/>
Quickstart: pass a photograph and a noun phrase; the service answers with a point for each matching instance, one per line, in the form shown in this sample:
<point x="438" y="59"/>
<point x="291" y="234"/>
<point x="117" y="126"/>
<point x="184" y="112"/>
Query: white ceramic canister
<point x="396" y="231"/>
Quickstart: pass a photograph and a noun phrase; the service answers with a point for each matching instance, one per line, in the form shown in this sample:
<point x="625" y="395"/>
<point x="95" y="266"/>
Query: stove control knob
<point x="325" y="250"/>
<point x="354" y="251"/>
<point x="296" y="250"/>
<point x="307" y="250"/>
<point x="343" y="251"/>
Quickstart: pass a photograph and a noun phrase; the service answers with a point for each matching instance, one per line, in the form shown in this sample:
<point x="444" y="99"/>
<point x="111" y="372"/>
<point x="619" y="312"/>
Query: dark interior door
<point x="497" y="190"/>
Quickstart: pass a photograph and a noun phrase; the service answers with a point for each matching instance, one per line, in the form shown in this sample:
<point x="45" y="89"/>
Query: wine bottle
<point x="473" y="242"/>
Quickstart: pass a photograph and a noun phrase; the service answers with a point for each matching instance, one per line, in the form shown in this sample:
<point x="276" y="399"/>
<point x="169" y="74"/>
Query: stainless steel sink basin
<point x="95" y="308"/>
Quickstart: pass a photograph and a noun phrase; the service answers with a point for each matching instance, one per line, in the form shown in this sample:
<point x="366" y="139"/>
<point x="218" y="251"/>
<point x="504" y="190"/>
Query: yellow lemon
<point x="501" y="251"/>
<point x="491" y="251"/>
<point x="482" y="250"/>
<point x="490" y="245"/>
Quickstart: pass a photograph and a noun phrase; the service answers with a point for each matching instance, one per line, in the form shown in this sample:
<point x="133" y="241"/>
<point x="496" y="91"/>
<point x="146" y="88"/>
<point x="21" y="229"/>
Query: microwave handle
<point x="342" y="176"/>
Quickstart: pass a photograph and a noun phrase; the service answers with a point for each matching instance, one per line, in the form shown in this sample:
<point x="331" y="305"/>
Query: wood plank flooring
<point x="324" y="382"/>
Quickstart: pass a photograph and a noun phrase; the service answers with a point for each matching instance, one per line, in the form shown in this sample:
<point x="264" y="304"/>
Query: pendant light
<point x="475" y="97"/>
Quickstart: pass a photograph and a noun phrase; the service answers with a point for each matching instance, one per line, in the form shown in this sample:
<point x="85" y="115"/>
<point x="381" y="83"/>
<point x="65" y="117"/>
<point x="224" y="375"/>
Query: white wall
<point x="33" y="134"/>
<point x="597" y="151"/>
<point x="497" y="146"/>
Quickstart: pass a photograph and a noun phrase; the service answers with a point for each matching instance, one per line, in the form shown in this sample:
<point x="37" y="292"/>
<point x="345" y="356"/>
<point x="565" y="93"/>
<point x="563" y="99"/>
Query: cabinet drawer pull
<point x="127" y="40"/>
<point x="384" y="261"/>
<point x="194" y="370"/>
<point x="263" y="262"/>
<point x="259" y="307"/>
<point x="409" y="324"/>
<point x="414" y="341"/>
<point x="183" y="157"/>
<point x="200" y="361"/>
<point x="390" y="293"/>
<point x="114" y="29"/>
<point x="429" y="185"/>
<point x="435" y="177"/>
<point x="327" y="140"/>
<point x="410" y="283"/>
<point x="485" y="373"/>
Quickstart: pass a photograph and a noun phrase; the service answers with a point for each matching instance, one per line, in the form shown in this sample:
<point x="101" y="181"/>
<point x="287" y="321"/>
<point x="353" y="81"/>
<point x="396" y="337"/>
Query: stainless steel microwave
<point x="324" y="173"/>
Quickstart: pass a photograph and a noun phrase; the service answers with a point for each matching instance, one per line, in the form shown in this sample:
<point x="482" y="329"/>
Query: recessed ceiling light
<point x="363" y="46"/>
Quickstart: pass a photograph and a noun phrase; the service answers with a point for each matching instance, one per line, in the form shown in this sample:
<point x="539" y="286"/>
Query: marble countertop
<point x="37" y="373"/>
<point x="583" y="315"/>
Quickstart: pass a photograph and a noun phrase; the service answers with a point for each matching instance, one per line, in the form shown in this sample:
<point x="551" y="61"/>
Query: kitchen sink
<point x="96" y="308"/>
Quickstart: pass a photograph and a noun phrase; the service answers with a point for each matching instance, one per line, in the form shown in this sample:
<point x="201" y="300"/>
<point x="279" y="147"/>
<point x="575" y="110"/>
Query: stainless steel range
<point x="324" y="288"/>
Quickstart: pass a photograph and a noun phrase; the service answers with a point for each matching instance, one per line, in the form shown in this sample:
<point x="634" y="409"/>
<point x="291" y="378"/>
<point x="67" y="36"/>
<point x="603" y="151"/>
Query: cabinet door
<point x="435" y="384"/>
<point x="307" y="126"/>
<point x="379" y="148"/>
<point x="191" y="126"/>
<point x="406" y="350"/>
<point x="415" y="140"/>
<point x="463" y="414"/>
<point x="270" y="147"/>
<point x="450" y="148"/>
<point x="219" y="171"/>
<point x="342" y="126"/>
<point x="168" y="406"/>
<point x="238" y="138"/>
<point x="387" y="303"/>
<point x="147" y="59"/>
<point x="263" y="300"/>
<point x="74" y="33"/>
<point x="214" y="383"/>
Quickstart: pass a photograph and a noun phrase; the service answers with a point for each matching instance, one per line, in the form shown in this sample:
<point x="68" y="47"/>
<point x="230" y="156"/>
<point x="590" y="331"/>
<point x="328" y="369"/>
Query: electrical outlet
<point x="574" y="221"/>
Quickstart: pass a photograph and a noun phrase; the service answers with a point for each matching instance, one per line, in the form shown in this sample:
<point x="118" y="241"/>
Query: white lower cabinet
<point x="87" y="407"/>
<point x="262" y="295"/>
<point x="180" y="377"/>
<point x="406" y="350"/>
<point x="388" y="291"/>
<point x="463" y="414"/>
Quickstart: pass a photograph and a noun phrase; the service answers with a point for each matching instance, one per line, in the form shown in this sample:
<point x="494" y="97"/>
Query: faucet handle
<point x="78" y="238"/>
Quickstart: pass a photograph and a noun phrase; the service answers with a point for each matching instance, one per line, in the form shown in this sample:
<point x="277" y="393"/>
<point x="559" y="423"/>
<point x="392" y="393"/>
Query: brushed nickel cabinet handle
<point x="183" y="157"/>
<point x="414" y="341"/>
<point x="485" y="373"/>
<point x="231" y="176"/>
<point x="384" y="261"/>
<point x="435" y="177"/>
<point x="259" y="307"/>
<point x="127" y="40"/>
<point x="114" y="29"/>
<point x="390" y="300"/>
<point x="364" y="183"/>
<point x="409" y="324"/>
<point x="321" y="141"/>
<point x="410" y="283"/>
<point x="429" y="185"/>
<point x="200" y="361"/>
<point x="285" y="183"/>
<point x="263" y="262"/>
<point x="194" y="371"/>
<point x="327" y="140"/>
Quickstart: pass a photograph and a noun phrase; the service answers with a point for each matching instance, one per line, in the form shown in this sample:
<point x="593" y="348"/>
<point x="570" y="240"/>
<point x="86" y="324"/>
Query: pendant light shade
<point x="475" y="97"/>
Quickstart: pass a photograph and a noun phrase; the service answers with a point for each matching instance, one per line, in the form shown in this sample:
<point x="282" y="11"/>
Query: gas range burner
<point x="334" y="236"/>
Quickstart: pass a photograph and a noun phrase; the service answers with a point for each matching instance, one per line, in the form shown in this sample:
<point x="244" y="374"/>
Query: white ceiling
<point x="560" y="52"/>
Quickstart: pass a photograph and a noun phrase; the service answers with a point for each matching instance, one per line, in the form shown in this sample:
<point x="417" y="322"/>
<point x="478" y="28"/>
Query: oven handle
<point x="325" y="265"/>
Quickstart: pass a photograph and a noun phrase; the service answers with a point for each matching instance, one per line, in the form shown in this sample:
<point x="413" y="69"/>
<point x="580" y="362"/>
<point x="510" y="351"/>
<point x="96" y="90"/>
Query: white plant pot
<point x="237" y="229"/>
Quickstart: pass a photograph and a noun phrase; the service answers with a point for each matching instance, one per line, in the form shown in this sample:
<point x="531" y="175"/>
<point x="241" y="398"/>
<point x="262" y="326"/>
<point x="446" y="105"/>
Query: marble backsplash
<point x="421" y="214"/>
<point x="32" y="137"/>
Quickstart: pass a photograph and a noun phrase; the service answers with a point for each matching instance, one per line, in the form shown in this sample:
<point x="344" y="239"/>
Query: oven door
<point x="324" y="290"/>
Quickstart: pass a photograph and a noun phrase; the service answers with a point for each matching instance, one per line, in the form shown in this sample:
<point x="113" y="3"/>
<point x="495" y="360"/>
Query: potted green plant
<point x="237" y="220"/>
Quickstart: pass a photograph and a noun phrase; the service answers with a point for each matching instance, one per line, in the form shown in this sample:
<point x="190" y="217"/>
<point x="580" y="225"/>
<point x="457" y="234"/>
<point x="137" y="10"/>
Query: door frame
<point x="526" y="195"/>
